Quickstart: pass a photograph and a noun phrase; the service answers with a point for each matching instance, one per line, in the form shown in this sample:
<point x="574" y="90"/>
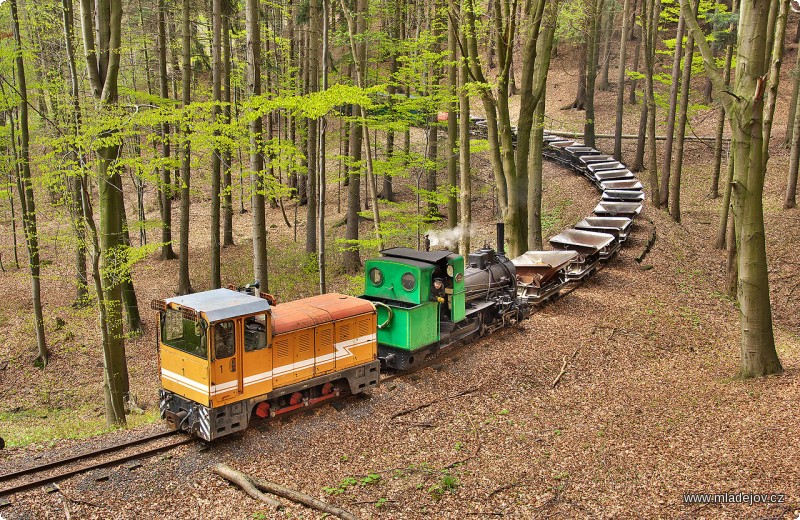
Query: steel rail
<point x="83" y="469"/>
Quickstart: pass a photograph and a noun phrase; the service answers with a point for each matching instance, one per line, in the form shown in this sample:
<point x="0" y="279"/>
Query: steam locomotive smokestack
<point x="501" y="238"/>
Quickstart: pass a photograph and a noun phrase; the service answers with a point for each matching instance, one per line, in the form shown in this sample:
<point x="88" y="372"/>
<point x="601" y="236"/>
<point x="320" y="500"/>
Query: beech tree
<point x="744" y="108"/>
<point x="102" y="61"/>
<point x="25" y="189"/>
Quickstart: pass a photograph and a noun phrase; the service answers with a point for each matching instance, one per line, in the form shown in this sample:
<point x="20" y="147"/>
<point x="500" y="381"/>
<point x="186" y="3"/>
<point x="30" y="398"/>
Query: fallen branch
<point x="251" y="485"/>
<point x="564" y="368"/>
<point x="244" y="482"/>
<point x="428" y="405"/>
<point x="302" y="498"/>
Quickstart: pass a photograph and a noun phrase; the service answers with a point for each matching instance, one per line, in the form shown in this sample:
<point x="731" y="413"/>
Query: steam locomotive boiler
<point x="427" y="300"/>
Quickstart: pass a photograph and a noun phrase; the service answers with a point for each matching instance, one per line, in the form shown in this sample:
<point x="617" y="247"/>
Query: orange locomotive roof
<point x="300" y="314"/>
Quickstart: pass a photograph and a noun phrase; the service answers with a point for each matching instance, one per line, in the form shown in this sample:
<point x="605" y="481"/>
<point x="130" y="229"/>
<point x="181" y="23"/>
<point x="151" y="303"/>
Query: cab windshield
<point x="185" y="335"/>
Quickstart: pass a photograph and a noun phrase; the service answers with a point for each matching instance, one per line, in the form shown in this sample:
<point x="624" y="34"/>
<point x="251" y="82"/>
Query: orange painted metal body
<point x="304" y="339"/>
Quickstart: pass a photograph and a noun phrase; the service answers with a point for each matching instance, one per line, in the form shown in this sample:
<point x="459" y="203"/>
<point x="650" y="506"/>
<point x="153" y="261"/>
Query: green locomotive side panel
<point x="409" y="328"/>
<point x="458" y="303"/>
<point x="398" y="280"/>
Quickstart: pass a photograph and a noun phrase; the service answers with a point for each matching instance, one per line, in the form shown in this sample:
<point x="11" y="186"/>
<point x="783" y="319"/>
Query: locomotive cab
<point x="417" y="294"/>
<point x="227" y="355"/>
<point x="209" y="345"/>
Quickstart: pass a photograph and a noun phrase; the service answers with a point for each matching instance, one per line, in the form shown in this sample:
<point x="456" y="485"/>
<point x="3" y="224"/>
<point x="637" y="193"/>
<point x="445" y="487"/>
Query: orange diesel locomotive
<point x="225" y="355"/>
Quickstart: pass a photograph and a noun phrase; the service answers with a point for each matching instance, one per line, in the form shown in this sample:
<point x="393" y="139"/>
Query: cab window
<point x="185" y="335"/>
<point x="255" y="333"/>
<point x="224" y="339"/>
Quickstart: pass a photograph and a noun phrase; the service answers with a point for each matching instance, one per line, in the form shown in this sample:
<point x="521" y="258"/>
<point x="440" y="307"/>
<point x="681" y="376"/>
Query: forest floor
<point x="649" y="407"/>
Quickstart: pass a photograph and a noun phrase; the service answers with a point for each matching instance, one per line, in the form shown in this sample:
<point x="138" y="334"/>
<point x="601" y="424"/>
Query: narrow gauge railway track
<point x="182" y="439"/>
<point x="41" y="473"/>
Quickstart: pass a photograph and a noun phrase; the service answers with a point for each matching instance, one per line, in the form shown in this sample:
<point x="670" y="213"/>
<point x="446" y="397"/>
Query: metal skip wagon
<point x="541" y="274"/>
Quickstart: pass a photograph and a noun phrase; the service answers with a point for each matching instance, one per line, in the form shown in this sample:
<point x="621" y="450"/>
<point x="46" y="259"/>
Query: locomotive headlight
<point x="375" y="276"/>
<point x="408" y="281"/>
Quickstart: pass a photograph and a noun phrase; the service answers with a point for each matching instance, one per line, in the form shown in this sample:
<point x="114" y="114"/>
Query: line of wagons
<point x="229" y="355"/>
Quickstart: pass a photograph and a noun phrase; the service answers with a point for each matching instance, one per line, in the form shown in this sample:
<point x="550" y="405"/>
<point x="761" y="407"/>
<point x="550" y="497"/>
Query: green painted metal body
<point x="391" y="285"/>
<point x="416" y="311"/>
<point x="458" y="301"/>
<point x="411" y="327"/>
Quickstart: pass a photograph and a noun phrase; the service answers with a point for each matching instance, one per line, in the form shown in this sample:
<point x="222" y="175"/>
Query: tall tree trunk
<point x="790" y="198"/>
<point x="544" y="46"/>
<point x="623" y="46"/>
<point x="637" y="52"/>
<point x="314" y="41"/>
<point x="745" y="112"/>
<point x="227" y="156"/>
<point x="591" y="70"/>
<point x="606" y="30"/>
<point x="774" y="57"/>
<point x="452" y="118"/>
<point x="651" y="16"/>
<point x="793" y="100"/>
<point x="360" y="53"/>
<point x="26" y="195"/>
<point x="216" y="153"/>
<point x="675" y="182"/>
<point x="256" y="158"/>
<point x="102" y="60"/>
<point x="76" y="208"/>
<point x="167" y="252"/>
<point x="580" y="96"/>
<point x="133" y="319"/>
<point x="714" y="191"/>
<point x="184" y="284"/>
<point x="673" y="109"/>
<point x="465" y="192"/>
<point x="321" y="153"/>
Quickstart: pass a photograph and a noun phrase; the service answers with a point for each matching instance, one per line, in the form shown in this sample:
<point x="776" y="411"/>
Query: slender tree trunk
<point x="544" y="46"/>
<point x="607" y="30"/>
<point x="227" y="156"/>
<point x="675" y="182"/>
<point x="256" y="158"/>
<point x="774" y="57"/>
<point x="790" y="198"/>
<point x="321" y="145"/>
<point x="637" y="51"/>
<point x="76" y="210"/>
<point x="650" y="39"/>
<point x="591" y="70"/>
<point x="793" y="100"/>
<point x="452" y="119"/>
<point x="26" y="195"/>
<point x="216" y="153"/>
<point x="314" y="41"/>
<point x="184" y="284"/>
<point x="673" y="108"/>
<point x="714" y="192"/>
<point x="623" y="45"/>
<point x="465" y="193"/>
<point x="167" y="252"/>
<point x="133" y="319"/>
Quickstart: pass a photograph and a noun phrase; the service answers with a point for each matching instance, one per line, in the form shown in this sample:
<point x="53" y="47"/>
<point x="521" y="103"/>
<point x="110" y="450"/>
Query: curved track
<point x="45" y="473"/>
